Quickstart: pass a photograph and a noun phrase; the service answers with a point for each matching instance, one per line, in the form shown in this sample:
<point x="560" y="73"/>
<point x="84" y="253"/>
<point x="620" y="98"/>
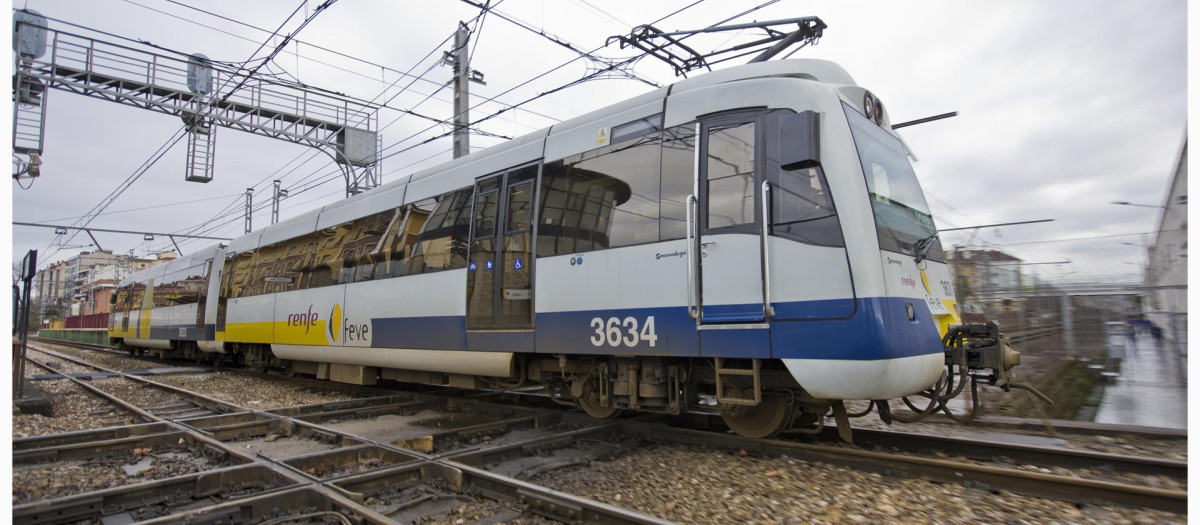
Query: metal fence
<point x="1084" y="298"/>
<point x="88" y="321"/>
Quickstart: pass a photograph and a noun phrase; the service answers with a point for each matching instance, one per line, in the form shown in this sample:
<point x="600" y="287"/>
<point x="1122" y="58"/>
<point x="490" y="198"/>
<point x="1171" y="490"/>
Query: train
<point x="752" y="241"/>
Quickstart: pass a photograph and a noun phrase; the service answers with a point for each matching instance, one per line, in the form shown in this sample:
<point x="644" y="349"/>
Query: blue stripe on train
<point x="880" y="329"/>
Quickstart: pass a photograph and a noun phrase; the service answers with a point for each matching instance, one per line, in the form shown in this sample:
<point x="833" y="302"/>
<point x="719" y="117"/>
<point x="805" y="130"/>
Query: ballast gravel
<point x="694" y="485"/>
<point x="74" y="409"/>
<point x="44" y="481"/>
<point x="1122" y="444"/>
<point x="257" y="392"/>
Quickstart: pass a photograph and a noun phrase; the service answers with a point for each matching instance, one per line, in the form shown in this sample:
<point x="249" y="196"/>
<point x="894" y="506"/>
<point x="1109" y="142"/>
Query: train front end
<point x="895" y="344"/>
<point x="891" y="346"/>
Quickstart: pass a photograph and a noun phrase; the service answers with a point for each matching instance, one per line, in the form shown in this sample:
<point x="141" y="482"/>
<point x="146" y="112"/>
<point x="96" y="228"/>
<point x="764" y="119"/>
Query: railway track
<point x="482" y="455"/>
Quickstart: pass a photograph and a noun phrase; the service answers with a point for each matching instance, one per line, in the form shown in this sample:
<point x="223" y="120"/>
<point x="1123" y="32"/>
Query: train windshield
<point x="901" y="213"/>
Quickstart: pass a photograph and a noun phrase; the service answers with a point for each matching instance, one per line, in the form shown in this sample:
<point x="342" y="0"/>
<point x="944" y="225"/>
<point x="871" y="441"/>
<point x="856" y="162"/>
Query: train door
<point x="202" y="300"/>
<point x="728" y="223"/>
<point x="500" y="260"/>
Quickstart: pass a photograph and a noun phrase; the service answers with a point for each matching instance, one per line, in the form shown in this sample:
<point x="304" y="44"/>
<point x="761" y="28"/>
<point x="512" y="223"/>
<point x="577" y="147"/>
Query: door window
<point x="730" y="180"/>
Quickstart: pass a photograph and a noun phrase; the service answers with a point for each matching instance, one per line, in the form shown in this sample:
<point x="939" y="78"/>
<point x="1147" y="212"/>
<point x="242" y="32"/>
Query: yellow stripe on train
<point x="277" y="332"/>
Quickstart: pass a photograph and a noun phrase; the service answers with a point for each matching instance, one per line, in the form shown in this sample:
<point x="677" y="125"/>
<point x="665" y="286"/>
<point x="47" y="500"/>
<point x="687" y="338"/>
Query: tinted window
<point x="801" y="206"/>
<point x="442" y="241"/>
<point x="678" y="176"/>
<point x="520" y="202"/>
<point x="604" y="198"/>
<point x="182" y="286"/>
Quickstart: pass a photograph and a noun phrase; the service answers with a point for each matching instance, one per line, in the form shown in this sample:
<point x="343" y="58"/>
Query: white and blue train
<point x="753" y="238"/>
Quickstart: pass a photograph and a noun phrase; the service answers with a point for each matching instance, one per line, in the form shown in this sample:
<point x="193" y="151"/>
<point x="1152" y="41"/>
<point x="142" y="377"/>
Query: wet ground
<point x="1151" y="390"/>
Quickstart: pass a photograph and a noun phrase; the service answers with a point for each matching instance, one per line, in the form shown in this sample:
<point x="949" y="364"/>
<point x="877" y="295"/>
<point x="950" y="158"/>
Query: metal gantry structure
<point x="149" y="236"/>
<point x="192" y="88"/>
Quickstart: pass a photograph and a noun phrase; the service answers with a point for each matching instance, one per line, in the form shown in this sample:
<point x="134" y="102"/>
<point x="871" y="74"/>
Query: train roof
<point x="550" y="143"/>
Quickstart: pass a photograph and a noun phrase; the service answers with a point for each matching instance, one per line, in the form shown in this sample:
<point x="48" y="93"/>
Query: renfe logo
<point x="909" y="282"/>
<point x="303" y="319"/>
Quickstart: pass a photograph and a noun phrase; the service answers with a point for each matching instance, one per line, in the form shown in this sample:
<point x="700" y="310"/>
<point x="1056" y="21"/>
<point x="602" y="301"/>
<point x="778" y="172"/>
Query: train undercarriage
<point x="757" y="398"/>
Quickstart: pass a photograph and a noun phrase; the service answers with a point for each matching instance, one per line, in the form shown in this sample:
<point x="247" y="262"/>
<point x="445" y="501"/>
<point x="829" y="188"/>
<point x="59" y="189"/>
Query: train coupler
<point x="980" y="347"/>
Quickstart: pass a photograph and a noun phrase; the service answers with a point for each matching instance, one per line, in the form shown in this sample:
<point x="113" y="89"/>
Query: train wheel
<point x="589" y="401"/>
<point x="770" y="417"/>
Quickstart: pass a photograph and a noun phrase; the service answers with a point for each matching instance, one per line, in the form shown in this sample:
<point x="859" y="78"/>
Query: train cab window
<point x="730" y="175"/>
<point x="678" y="176"/>
<point x="902" y="216"/>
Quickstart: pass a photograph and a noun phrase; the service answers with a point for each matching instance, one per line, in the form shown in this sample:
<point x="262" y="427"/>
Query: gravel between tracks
<point x="694" y="485"/>
<point x="107" y="360"/>
<point x="74" y="409"/>
<point x="259" y="393"/>
<point x="37" y="482"/>
<point x="1123" y="444"/>
<point x="59" y="365"/>
<point x="1100" y="472"/>
<point x="138" y="394"/>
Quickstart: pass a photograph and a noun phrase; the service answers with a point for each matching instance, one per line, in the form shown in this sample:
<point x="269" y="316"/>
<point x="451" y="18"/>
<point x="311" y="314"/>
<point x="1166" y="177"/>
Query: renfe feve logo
<point x="672" y="254"/>
<point x="303" y="319"/>
<point x="909" y="282"/>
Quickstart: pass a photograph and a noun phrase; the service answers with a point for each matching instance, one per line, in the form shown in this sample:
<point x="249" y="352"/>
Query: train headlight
<point x="912" y="313"/>
<point x="872" y="108"/>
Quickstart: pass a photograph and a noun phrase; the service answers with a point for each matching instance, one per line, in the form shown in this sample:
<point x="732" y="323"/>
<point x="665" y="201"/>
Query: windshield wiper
<point x="922" y="246"/>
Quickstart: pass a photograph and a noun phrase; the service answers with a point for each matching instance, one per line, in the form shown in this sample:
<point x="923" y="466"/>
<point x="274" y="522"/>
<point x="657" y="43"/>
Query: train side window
<point x="441" y="243"/>
<point x="803" y="210"/>
<point x="678" y="176"/>
<point x="600" y="199"/>
<point x="801" y="206"/>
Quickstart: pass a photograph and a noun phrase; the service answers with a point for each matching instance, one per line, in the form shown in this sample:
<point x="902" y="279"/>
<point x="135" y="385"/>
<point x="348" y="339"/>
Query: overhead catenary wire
<point x="436" y="137"/>
<point x="143" y="208"/>
<point x="90" y="216"/>
<point x="331" y="51"/>
<point x="232" y="206"/>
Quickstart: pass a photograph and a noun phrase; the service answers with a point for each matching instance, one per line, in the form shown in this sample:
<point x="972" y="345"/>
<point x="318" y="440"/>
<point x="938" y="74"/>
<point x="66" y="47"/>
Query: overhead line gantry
<point x="343" y="127"/>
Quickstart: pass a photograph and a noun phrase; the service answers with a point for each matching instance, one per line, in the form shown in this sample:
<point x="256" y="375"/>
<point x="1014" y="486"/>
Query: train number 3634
<point x="623" y="332"/>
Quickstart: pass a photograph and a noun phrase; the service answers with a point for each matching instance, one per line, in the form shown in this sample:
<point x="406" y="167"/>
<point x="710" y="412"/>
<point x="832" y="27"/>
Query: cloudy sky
<point x="1063" y="107"/>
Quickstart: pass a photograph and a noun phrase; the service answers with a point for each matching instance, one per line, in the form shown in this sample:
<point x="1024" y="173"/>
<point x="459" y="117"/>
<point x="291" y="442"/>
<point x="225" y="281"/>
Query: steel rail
<point x="224" y="406"/>
<point x="539" y="500"/>
<point x="959" y="472"/>
<point x="146" y="416"/>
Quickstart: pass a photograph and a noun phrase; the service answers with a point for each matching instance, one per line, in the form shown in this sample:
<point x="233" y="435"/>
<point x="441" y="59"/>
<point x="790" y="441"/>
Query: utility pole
<point x="463" y="76"/>
<point x="279" y="195"/>
<point x="249" y="208"/>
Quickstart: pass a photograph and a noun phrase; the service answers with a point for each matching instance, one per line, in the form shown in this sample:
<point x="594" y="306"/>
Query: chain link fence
<point x="1074" y="305"/>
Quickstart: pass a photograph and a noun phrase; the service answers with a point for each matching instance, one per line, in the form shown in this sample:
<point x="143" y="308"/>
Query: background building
<point x="81" y="287"/>
<point x="1165" y="299"/>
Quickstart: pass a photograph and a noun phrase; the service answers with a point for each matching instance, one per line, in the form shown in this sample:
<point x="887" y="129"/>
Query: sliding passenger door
<point x="500" y="259"/>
